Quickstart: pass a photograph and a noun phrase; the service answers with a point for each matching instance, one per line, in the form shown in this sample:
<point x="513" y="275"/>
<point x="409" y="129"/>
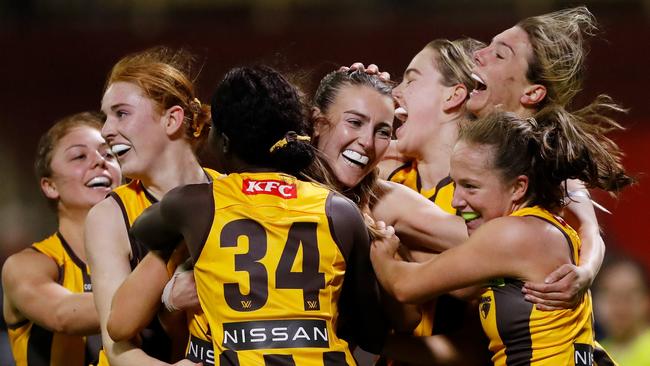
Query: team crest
<point x="485" y="306"/>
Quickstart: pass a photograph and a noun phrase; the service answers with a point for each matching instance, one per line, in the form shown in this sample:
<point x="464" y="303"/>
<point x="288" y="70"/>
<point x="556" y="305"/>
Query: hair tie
<point x="289" y="137"/>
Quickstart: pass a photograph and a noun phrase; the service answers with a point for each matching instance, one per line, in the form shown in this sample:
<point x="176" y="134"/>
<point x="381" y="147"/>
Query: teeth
<point x="401" y="113"/>
<point x="356" y="157"/>
<point x="119" y="149"/>
<point x="99" y="181"/>
<point x="469" y="216"/>
<point x="478" y="78"/>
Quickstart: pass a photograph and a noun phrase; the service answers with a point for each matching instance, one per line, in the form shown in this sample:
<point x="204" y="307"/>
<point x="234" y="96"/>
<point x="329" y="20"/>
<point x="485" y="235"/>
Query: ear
<point x="533" y="95"/>
<point x="519" y="188"/>
<point x="319" y="121"/>
<point x="173" y="120"/>
<point x="455" y="98"/>
<point x="49" y="189"/>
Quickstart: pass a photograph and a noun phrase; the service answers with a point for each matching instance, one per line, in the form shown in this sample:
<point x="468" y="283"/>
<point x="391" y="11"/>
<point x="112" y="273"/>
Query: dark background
<point x="55" y="56"/>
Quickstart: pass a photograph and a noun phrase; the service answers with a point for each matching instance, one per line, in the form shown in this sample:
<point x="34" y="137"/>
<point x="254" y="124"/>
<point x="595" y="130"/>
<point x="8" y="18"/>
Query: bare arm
<point x="418" y="222"/>
<point x="496" y="249"/>
<point x="108" y="250"/>
<point x="29" y="279"/>
<point x="137" y="300"/>
<point x="564" y="287"/>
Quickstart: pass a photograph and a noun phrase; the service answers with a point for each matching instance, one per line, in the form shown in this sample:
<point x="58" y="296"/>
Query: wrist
<point x="166" y="297"/>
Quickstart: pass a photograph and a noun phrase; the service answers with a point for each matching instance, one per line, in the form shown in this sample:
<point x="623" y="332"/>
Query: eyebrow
<point x="501" y="43"/>
<point x="74" y="146"/>
<point x="353" y="111"/>
<point x="411" y="70"/>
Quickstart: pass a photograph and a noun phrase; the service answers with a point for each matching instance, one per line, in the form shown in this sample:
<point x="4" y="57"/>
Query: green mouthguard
<point x="469" y="216"/>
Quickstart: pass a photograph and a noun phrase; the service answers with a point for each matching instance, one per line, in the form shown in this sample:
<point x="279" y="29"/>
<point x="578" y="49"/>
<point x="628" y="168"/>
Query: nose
<point x="99" y="160"/>
<point x="458" y="202"/>
<point x="397" y="91"/>
<point x="108" y="130"/>
<point x="479" y="56"/>
<point x="366" y="137"/>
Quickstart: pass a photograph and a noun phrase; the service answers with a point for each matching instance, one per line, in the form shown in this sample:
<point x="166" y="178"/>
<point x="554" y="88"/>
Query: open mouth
<point x="401" y="114"/>
<point x="120" y="149"/>
<point x="480" y="84"/>
<point x="355" y="158"/>
<point x="469" y="216"/>
<point x="99" y="182"/>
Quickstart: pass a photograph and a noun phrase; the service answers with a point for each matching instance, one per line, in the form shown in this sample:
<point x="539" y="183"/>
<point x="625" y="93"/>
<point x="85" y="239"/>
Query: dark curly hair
<point x="255" y="107"/>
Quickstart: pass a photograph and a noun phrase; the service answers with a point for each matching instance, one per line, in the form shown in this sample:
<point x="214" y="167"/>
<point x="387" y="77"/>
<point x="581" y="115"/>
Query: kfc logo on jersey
<point x="273" y="187"/>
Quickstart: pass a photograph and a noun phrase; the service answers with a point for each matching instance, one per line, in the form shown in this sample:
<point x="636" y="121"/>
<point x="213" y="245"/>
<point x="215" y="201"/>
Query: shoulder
<point x="509" y="233"/>
<point x="191" y="197"/>
<point x="27" y="263"/>
<point x="338" y="205"/>
<point x="187" y="195"/>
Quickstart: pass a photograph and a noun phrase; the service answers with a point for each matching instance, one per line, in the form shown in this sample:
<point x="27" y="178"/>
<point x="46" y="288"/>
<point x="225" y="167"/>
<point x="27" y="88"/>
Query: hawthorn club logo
<point x="271" y="186"/>
<point x="485" y="306"/>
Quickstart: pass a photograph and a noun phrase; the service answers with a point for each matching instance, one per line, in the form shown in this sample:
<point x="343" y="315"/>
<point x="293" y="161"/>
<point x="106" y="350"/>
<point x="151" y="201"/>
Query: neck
<point x="71" y="226"/>
<point x="433" y="163"/>
<point x="176" y="167"/>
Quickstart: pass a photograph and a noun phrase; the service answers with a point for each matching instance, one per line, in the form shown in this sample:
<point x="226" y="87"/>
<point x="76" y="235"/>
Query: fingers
<point x="384" y="76"/>
<point x="372" y="69"/>
<point x="560" y="273"/>
<point x="548" y="305"/>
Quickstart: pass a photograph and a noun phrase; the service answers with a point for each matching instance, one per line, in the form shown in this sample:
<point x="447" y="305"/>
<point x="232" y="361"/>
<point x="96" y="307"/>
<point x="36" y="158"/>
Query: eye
<point x="108" y="155"/>
<point x="355" y="122"/>
<point x="499" y="56"/>
<point x="385" y="132"/>
<point x="79" y="157"/>
<point x="121" y="114"/>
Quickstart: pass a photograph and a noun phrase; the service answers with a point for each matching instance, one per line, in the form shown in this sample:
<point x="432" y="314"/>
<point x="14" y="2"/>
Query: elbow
<point x="403" y="293"/>
<point x="119" y="331"/>
<point x="66" y="321"/>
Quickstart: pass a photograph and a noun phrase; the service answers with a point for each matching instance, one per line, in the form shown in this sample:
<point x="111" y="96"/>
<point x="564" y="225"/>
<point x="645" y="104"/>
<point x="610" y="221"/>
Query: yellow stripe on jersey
<point x="270" y="273"/>
<point x="35" y="345"/>
<point x="522" y="335"/>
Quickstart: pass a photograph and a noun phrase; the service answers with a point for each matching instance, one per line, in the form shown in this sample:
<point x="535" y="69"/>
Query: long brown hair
<point x="549" y="149"/>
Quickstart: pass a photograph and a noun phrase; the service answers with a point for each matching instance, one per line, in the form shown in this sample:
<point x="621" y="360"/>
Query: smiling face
<point x="84" y="170"/>
<point x="500" y="73"/>
<point x="133" y="128"/>
<point x="480" y="193"/>
<point x="355" y="131"/>
<point x="421" y="96"/>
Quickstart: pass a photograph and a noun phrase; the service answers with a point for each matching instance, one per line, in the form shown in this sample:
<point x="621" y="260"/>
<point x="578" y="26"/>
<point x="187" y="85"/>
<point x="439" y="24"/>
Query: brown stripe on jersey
<point x="93" y="346"/>
<point x="566" y="236"/>
<point x="228" y="358"/>
<point x="148" y="195"/>
<point x="135" y="250"/>
<point x="445" y="181"/>
<point x="513" y="319"/>
<point x="279" y="360"/>
<point x="39" y="346"/>
<point x="87" y="287"/>
<point x="334" y="358"/>
<point x="337" y="236"/>
<point x="201" y="227"/>
<point x="18" y="324"/>
<point x="406" y="165"/>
